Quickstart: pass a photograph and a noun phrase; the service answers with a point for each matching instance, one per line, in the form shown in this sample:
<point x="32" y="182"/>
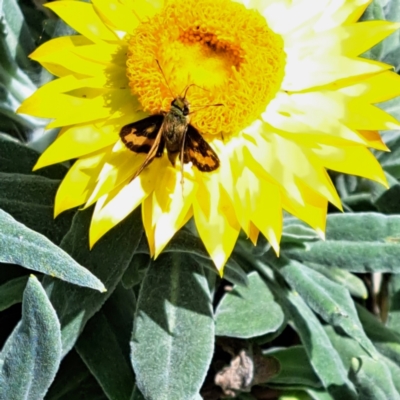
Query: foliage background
<point x="321" y="322"/>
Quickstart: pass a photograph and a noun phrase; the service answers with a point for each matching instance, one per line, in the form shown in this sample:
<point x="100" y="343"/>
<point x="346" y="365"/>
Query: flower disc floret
<point x="228" y="51"/>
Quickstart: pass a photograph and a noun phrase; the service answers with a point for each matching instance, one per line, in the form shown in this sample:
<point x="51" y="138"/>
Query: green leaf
<point x="32" y="354"/>
<point x="173" y="335"/>
<point x="373" y="379"/>
<point x="362" y="242"/>
<point x="20" y="245"/>
<point x="101" y="348"/>
<point x="16" y="37"/>
<point x="108" y="260"/>
<point x="393" y="321"/>
<point x="330" y="300"/>
<point x="388" y="202"/>
<point x="233" y="272"/>
<point x="11" y="292"/>
<point x="136" y="395"/>
<point x="74" y="381"/>
<point x="254" y="304"/>
<point x="385" y="340"/>
<point x="349" y="349"/>
<point x="352" y="283"/>
<point x="295" y="368"/>
<point x="17" y="157"/>
<point x="136" y="270"/>
<point x="318" y="395"/>
<point x="30" y="200"/>
<point x="322" y="355"/>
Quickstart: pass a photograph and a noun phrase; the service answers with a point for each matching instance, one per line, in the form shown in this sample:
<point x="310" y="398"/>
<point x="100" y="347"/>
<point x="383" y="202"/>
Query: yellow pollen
<point x="228" y="51"/>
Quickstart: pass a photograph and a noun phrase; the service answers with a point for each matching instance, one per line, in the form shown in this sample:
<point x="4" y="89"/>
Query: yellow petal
<point x="49" y="50"/>
<point x="355" y="160"/>
<point x="68" y="109"/>
<point x="312" y="71"/>
<point x="376" y="88"/>
<point x="79" y="182"/>
<point x="112" y="208"/>
<point x="313" y="211"/>
<point x="325" y="117"/>
<point x="73" y="142"/>
<point x="120" y="166"/>
<point x="149" y="226"/>
<point x="82" y="17"/>
<point x="118" y="16"/>
<point x="215" y="220"/>
<point x="171" y="202"/>
<point x="288" y="163"/>
<point x="266" y="212"/>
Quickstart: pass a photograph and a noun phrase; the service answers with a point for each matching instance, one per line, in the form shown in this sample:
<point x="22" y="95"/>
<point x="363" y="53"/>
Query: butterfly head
<point x="181" y="104"/>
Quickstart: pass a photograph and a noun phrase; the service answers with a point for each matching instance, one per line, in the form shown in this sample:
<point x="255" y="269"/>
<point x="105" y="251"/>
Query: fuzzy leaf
<point x="362" y="242"/>
<point x="322" y="355"/>
<point x="103" y="349"/>
<point x="254" y="304"/>
<point x="11" y="292"/>
<point x="373" y="379"/>
<point x="393" y="321"/>
<point x="352" y="283"/>
<point x="330" y="300"/>
<point x="74" y="381"/>
<point x="108" y="259"/>
<point x="349" y="349"/>
<point x="386" y="341"/>
<point x="295" y="368"/>
<point x="30" y="200"/>
<point x="32" y="354"/>
<point x="174" y="325"/>
<point x="20" y="245"/>
<point x="17" y="158"/>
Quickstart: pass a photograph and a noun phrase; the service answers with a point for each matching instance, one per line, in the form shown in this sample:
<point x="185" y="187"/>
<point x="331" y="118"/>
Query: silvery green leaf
<point x="359" y="242"/>
<point x="254" y="304"/>
<point x="23" y="246"/>
<point x="108" y="260"/>
<point x="31" y="355"/>
<point x="174" y="324"/>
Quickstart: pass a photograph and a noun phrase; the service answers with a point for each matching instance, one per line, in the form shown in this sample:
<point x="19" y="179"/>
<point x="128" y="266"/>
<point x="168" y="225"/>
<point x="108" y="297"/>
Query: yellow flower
<point x="297" y="101"/>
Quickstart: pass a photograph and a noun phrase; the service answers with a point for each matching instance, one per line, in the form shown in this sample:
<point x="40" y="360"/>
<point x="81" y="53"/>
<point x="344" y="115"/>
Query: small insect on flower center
<point x="227" y="52"/>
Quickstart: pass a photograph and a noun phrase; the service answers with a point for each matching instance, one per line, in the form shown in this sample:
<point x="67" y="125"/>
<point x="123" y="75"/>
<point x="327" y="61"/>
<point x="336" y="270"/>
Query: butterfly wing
<point x="140" y="136"/>
<point x="199" y="152"/>
<point x="144" y="136"/>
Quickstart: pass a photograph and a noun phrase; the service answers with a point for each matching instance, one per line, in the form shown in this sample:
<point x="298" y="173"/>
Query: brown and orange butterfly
<point x="170" y="130"/>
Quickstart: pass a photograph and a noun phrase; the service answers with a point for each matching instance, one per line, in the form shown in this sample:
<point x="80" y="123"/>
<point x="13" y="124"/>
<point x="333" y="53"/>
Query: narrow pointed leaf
<point x="74" y="381"/>
<point x="385" y="340"/>
<point x="254" y="304"/>
<point x="322" y="355"/>
<point x="30" y="200"/>
<point x="173" y="335"/>
<point x="352" y="283"/>
<point x="373" y="379"/>
<point x="330" y="300"/>
<point x="109" y="259"/>
<point x="393" y="321"/>
<point x="15" y="157"/>
<point x="110" y="363"/>
<point x="32" y="354"/>
<point x="295" y="368"/>
<point x="20" y="245"/>
<point x="362" y="242"/>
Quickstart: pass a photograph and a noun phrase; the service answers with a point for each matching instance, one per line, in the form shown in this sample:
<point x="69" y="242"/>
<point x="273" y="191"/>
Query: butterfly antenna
<point x="208" y="105"/>
<point x="188" y="86"/>
<point x="166" y="82"/>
